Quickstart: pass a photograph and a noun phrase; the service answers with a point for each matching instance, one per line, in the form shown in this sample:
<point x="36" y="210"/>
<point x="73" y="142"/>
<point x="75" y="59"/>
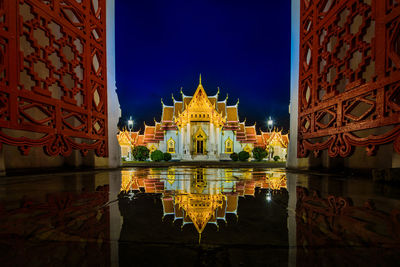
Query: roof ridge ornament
<point x="162" y="102"/>
<point x="182" y="94"/>
<point x="173" y="99"/>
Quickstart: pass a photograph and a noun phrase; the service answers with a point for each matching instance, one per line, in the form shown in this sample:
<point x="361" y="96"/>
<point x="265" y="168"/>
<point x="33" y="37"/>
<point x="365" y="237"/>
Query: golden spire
<point x="200" y="79"/>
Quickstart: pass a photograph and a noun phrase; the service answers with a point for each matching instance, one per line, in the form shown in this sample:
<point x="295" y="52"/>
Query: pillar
<point x="180" y="142"/>
<point x="292" y="161"/>
<point x="113" y="108"/>
<point x="212" y="139"/>
<point x="188" y="148"/>
<point x="218" y="140"/>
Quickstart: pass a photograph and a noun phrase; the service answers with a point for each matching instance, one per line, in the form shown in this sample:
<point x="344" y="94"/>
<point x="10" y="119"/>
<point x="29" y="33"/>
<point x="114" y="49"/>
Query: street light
<point x="270" y="124"/>
<point x="130" y="126"/>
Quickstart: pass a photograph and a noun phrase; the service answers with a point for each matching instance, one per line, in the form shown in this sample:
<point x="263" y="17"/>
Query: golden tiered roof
<point x="201" y="107"/>
<point x="274" y="138"/>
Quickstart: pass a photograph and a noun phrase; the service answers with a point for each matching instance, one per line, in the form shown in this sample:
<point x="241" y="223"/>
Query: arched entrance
<point x="200" y="142"/>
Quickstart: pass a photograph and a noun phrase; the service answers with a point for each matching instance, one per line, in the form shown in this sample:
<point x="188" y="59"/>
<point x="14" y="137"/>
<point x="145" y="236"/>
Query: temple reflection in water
<point x="201" y="196"/>
<point x="152" y="217"/>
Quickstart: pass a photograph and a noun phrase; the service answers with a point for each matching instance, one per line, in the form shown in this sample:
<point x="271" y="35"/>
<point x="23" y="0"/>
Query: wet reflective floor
<point x="197" y="217"/>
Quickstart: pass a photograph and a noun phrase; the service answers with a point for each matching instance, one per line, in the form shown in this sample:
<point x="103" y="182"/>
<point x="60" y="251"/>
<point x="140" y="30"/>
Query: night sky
<point x="241" y="46"/>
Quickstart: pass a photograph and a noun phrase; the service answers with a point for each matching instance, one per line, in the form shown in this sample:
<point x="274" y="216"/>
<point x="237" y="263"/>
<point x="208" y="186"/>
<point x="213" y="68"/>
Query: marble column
<point x="186" y="145"/>
<point x="188" y="138"/>
<point x="181" y="136"/>
<point x="212" y="139"/>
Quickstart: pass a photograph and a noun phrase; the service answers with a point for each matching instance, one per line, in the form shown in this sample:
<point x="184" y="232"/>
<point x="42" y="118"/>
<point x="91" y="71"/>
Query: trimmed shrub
<point x="259" y="153"/>
<point x="140" y="153"/>
<point x="244" y="155"/>
<point x="276" y="158"/>
<point x="234" y="156"/>
<point x="157" y="155"/>
<point x="167" y="156"/>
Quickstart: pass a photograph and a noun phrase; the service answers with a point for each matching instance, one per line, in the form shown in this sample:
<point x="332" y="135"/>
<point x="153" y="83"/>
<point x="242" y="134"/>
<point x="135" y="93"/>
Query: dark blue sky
<point x="241" y="46"/>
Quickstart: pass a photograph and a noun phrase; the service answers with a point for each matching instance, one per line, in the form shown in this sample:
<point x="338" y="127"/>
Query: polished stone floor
<point x="197" y="217"/>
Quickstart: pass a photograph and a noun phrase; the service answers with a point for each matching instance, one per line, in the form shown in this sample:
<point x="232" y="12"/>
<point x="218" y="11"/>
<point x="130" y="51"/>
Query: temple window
<point x="171" y="146"/>
<point x="229" y="146"/>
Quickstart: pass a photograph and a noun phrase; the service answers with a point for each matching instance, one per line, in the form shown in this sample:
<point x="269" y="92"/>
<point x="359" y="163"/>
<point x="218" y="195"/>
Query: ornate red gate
<point x="349" y="78"/>
<point x="53" y="75"/>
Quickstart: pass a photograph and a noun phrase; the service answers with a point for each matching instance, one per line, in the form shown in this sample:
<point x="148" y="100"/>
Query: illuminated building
<point x="201" y="127"/>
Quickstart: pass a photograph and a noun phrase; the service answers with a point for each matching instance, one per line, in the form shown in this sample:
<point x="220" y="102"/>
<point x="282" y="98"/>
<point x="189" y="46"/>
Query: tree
<point x="167" y="156"/>
<point x="244" y="155"/>
<point x="141" y="153"/>
<point x="276" y="158"/>
<point x="259" y="153"/>
<point x="157" y="155"/>
<point x="234" y="156"/>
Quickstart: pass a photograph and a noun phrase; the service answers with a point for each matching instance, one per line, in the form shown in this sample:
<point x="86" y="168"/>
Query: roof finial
<point x="173" y="97"/>
<point x="226" y="96"/>
<point x="237" y="102"/>
<point x="200" y="79"/>
<point x="162" y="102"/>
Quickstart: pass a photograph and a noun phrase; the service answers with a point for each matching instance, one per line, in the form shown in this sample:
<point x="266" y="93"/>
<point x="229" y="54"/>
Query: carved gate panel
<point x="349" y="78"/>
<point x="53" y="75"/>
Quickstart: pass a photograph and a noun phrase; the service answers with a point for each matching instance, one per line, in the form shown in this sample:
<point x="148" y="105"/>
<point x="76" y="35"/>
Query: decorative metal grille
<point x="53" y="75"/>
<point x="349" y="89"/>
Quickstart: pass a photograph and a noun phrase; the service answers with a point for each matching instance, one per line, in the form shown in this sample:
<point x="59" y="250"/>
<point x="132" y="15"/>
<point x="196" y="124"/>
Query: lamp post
<point x="270" y="124"/>
<point x="130" y="126"/>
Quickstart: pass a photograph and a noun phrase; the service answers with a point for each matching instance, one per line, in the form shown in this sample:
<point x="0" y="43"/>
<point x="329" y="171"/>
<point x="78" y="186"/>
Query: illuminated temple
<point x="191" y="199"/>
<point x="202" y="127"/>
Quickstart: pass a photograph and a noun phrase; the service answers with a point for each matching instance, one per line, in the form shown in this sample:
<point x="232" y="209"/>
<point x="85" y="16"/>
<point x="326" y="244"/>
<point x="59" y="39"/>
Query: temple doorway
<point x="200" y="142"/>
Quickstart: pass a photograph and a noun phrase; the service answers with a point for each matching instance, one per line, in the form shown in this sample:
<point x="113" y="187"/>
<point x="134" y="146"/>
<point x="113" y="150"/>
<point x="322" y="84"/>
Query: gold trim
<point x="171" y="145"/>
<point x="228" y="144"/>
<point x="200" y="136"/>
